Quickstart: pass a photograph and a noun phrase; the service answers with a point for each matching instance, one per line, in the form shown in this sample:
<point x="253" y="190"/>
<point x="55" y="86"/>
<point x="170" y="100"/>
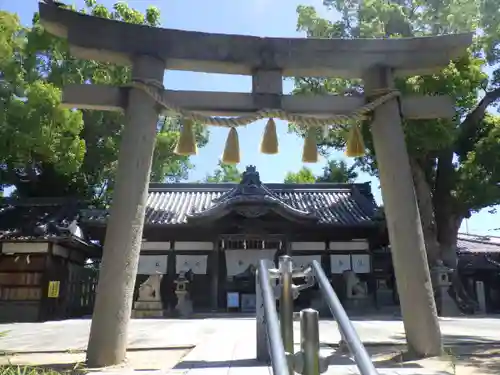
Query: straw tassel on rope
<point x="231" y="153"/>
<point x="186" y="145"/>
<point x="310" y="151"/>
<point x="269" y="144"/>
<point x="187" y="142"/>
<point x="355" y="146"/>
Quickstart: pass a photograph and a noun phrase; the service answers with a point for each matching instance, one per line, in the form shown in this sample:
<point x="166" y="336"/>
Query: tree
<point x="32" y="125"/>
<point x="46" y="150"/>
<point x="338" y="171"/>
<point x="303" y="176"/>
<point x="454" y="164"/>
<point x="334" y="171"/>
<point x="224" y="173"/>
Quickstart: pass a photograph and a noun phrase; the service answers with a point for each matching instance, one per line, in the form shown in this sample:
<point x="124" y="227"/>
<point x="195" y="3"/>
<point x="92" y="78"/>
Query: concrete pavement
<point x="227" y="345"/>
<point x="72" y="335"/>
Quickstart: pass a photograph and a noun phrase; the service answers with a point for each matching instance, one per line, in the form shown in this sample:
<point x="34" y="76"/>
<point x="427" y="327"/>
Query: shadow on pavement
<point x="250" y="362"/>
<point x="453" y="340"/>
<point x="382" y="357"/>
<point x="483" y="357"/>
<point x="463" y="354"/>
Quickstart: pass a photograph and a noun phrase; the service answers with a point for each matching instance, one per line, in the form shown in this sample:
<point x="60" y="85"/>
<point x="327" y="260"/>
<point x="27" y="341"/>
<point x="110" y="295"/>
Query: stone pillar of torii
<point x="152" y="50"/>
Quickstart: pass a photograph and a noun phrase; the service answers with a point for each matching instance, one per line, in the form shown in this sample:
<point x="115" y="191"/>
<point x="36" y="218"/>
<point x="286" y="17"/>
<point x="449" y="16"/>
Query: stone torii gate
<point x="152" y="50"/>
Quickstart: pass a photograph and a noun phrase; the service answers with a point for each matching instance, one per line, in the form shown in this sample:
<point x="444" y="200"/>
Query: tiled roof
<point x="33" y="219"/>
<point x="478" y="252"/>
<point x="331" y="204"/>
<point x="468" y="243"/>
<point x="171" y="204"/>
<point x="41" y="219"/>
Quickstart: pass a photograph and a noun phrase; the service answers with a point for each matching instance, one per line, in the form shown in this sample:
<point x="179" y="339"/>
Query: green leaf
<point x="46" y="150"/>
<point x="474" y="171"/>
<point x="224" y="173"/>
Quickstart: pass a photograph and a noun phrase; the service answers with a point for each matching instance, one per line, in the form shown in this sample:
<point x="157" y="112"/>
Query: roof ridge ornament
<point x="249" y="193"/>
<point x="250" y="185"/>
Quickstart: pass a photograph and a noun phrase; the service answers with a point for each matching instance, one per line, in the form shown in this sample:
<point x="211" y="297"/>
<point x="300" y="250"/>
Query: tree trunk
<point x="447" y="220"/>
<point x="426" y="208"/>
<point x="440" y="226"/>
<point x="448" y="227"/>
<point x="429" y="225"/>
<point x="449" y="216"/>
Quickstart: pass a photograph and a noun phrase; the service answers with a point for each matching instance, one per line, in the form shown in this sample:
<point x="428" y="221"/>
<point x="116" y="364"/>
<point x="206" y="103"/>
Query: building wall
<point x="217" y="266"/>
<point x="170" y="259"/>
<point x="22" y="268"/>
<point x="27" y="269"/>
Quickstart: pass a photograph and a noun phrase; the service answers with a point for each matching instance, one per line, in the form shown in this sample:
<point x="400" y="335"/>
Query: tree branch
<point x="470" y="125"/>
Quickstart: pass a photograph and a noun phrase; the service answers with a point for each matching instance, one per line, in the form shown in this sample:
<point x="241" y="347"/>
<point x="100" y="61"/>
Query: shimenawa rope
<point x="186" y="144"/>
<point x="155" y="89"/>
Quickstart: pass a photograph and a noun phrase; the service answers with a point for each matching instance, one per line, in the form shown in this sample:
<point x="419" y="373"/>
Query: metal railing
<point x="275" y="342"/>
<point x="347" y="331"/>
<point x="266" y="312"/>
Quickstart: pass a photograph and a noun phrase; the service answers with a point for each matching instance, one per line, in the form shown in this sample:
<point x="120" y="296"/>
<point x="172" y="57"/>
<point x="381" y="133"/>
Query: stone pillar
<point x="108" y="334"/>
<point x="403" y="221"/>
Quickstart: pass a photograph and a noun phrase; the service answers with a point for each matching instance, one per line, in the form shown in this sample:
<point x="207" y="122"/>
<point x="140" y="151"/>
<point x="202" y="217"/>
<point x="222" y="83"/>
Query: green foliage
<point x="303" y="176"/>
<point x="338" y="171"/>
<point x="224" y="173"/>
<point x="28" y="370"/>
<point x="473" y="178"/>
<point x="334" y="171"/>
<point x="32" y="123"/>
<point x="25" y="370"/>
<point x="479" y="170"/>
<point x="46" y="150"/>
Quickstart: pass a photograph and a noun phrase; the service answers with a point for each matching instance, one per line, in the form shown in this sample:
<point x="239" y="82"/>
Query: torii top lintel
<point x="93" y="38"/>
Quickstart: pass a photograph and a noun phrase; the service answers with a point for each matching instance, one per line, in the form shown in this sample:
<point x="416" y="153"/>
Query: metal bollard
<point x="286" y="302"/>
<point x="309" y="341"/>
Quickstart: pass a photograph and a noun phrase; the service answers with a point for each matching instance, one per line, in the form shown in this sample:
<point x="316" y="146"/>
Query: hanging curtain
<point x="238" y="261"/>
<point x="302" y="261"/>
<point x="196" y="263"/>
<point x="340" y="263"/>
<point x="152" y="264"/>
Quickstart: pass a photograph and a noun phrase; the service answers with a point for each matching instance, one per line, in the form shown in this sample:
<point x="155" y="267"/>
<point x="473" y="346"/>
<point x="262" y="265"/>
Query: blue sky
<point x="274" y="18"/>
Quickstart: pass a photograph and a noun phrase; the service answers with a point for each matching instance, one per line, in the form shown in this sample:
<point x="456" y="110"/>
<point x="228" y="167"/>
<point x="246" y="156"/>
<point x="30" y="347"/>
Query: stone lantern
<point x="441" y="277"/>
<point x="184" y="304"/>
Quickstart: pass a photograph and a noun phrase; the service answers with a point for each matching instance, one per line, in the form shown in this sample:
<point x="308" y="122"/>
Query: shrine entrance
<point x="239" y="256"/>
<point x="152" y="50"/>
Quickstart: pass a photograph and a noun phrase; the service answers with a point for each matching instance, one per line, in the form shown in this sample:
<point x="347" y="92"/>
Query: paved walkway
<point x="226" y="346"/>
<point x="72" y="335"/>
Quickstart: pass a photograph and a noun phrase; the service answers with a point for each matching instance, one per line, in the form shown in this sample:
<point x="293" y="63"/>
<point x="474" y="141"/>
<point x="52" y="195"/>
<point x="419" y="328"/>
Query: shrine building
<point x="216" y="233"/>
<point x="44" y="261"/>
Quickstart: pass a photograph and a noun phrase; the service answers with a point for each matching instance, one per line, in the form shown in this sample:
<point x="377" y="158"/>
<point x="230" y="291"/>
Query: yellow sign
<point x="54" y="289"/>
